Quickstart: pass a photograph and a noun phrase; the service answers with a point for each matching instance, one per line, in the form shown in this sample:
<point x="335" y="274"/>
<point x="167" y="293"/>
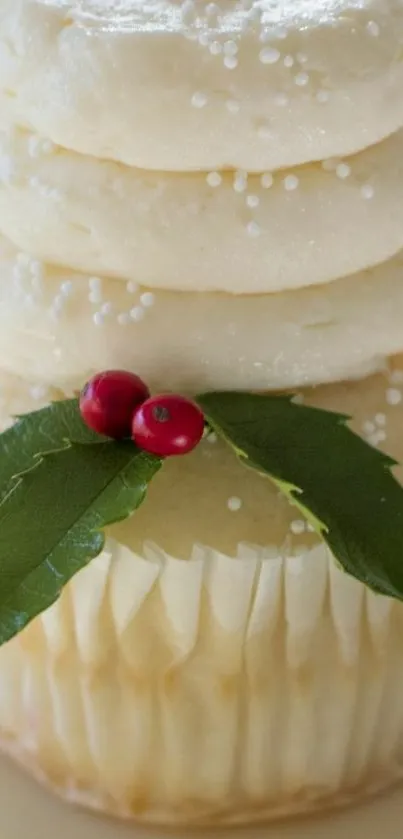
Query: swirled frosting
<point x="170" y="85"/>
<point x="208" y="193"/>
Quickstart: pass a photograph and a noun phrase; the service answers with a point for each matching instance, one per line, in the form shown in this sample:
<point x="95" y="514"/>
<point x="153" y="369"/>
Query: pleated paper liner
<point x="218" y="689"/>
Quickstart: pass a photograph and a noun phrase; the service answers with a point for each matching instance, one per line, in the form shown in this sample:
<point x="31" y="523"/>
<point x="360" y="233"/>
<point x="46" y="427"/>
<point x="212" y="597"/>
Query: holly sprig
<point x="61" y="484"/>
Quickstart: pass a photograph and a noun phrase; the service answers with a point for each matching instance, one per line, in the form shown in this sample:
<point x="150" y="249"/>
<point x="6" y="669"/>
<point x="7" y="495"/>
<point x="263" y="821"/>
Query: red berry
<point x="108" y="400"/>
<point x="168" y="425"/>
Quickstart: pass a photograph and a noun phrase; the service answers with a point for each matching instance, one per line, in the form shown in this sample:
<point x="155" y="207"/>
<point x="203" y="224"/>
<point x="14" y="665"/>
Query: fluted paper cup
<point x="221" y="689"/>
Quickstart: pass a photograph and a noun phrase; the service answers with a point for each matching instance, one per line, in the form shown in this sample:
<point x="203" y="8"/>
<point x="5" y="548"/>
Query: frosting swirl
<point x="251" y="84"/>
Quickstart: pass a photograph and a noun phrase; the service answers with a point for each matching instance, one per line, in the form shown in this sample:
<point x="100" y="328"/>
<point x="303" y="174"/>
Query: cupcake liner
<point x="216" y="689"/>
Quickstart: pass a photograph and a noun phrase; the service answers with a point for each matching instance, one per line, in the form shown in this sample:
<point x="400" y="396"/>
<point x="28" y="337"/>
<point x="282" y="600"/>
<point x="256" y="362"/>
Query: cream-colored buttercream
<point x="201" y="232"/>
<point x="58" y="327"/>
<point x="176" y="85"/>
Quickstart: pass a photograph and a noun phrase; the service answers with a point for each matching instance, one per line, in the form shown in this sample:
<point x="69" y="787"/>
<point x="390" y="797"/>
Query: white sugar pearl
<point x="291" y="182"/>
<point x="297" y="526"/>
<point x="269" y="55"/>
<point x="214" y="179"/>
<point x="393" y="396"/>
<point x="147" y="299"/>
<point x="107" y="308"/>
<point x="240" y="181"/>
<point x="267" y="180"/>
<point x="230" y="62"/>
<point x="98" y="318"/>
<point x="373" y="28"/>
<point x="239" y="186"/>
<point x="132" y="287"/>
<point x="252" y="201"/>
<point x="343" y="171"/>
<point x="380" y="419"/>
<point x="367" y="191"/>
<point x="234" y="504"/>
<point x="368" y="427"/>
<point x="38" y="392"/>
<point x="199" y="100"/>
<point x="301" y="79"/>
<point x="253" y="229"/>
<point x="137" y="313"/>
<point x="288" y="61"/>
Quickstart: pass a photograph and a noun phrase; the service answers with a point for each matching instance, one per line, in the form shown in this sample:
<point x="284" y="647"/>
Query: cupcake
<point x="208" y="196"/>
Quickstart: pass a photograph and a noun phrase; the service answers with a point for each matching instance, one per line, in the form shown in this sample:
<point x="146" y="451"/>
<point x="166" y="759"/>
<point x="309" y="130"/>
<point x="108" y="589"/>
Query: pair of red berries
<point x="118" y="404"/>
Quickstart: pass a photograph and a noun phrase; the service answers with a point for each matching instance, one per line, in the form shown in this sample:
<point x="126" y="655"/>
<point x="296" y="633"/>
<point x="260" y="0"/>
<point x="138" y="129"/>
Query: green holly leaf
<point x="38" y="432"/>
<point x="60" y="485"/>
<point x="340" y="483"/>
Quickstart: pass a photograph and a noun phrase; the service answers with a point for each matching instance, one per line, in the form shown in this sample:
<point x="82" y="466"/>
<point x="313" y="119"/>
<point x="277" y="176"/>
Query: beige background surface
<point x="26" y="810"/>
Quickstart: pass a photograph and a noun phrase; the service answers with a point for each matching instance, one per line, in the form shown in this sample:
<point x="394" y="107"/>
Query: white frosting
<point x="220" y="231"/>
<point x="110" y="81"/>
<point x="57" y="327"/>
<point x="258" y="84"/>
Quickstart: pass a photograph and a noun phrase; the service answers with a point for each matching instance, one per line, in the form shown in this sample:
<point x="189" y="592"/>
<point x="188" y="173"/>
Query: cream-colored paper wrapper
<point x="179" y="683"/>
<point x="211" y="690"/>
